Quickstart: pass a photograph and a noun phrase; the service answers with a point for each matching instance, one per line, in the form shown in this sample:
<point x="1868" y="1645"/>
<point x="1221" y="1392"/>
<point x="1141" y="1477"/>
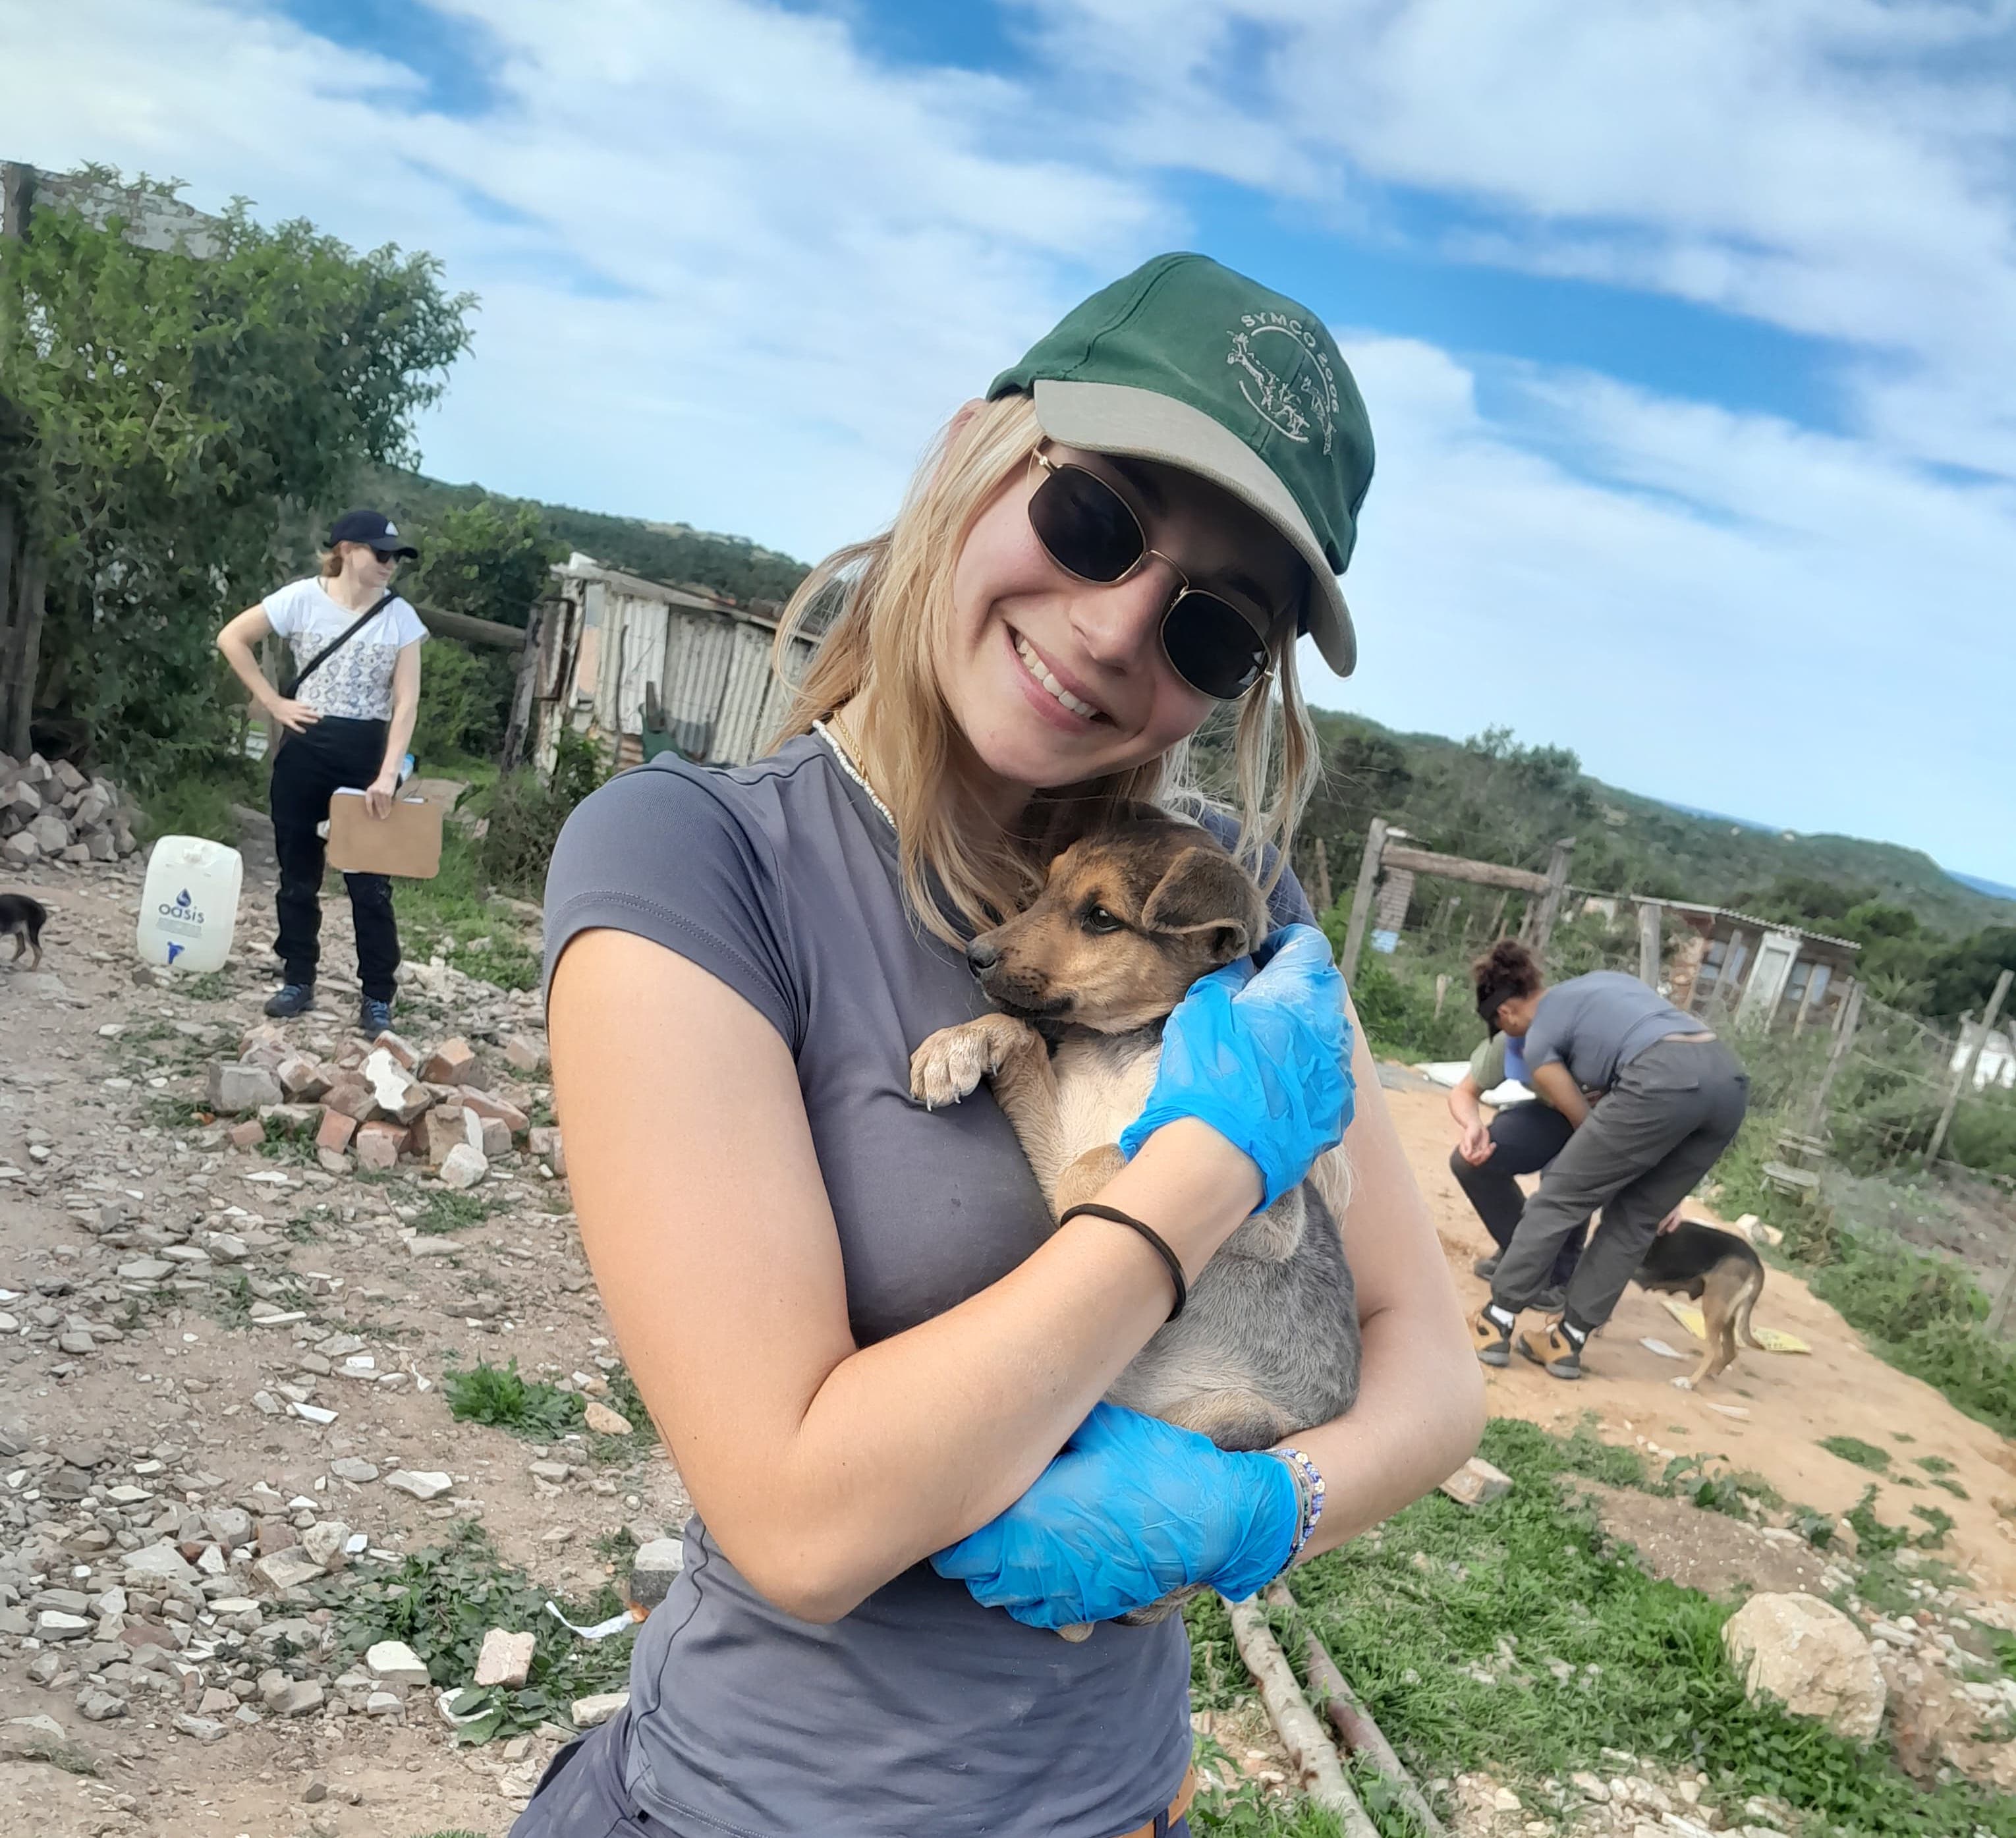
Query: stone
<point x="603" y="1421"/>
<point x="492" y="1137"/>
<point x="20" y="850"/>
<point x="231" y="1087"/>
<point x="378" y="1144"/>
<point x="1477" y="1483"/>
<point x="1810" y="1657"/>
<point x="590" y="1711"/>
<point x="462" y="1167"/>
<point x="50" y="832"/>
<point x="653" y="1571"/>
<point x="317" y="1791"/>
<point x="324" y="1541"/>
<point x="394" y="1089"/>
<point x="449" y="1064"/>
<point x="230" y="1525"/>
<point x="350" y="1097"/>
<point x="301" y="1078"/>
<point x="354" y="1468"/>
<point x="301" y="1696"/>
<point x="422" y="1483"/>
<point x="404" y="1054"/>
<point x="383" y="1703"/>
<point x="522" y="1053"/>
<point x="146" y="1270"/>
<point x="54" y="1623"/>
<point x="392" y="1662"/>
<point x="545" y="1143"/>
<point x="287" y="1570"/>
<point x="101" y="1707"/>
<point x="247" y="1134"/>
<point x="444" y="1130"/>
<point x="505" y="1659"/>
<point x="205" y="1729"/>
<point x="1591" y="1787"/>
<point x="159" y="1563"/>
<point x="552" y="1473"/>
<point x="484" y="1104"/>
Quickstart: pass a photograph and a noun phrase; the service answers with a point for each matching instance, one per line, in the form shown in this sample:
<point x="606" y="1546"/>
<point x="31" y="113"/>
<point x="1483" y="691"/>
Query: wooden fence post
<point x="1361" y="898"/>
<point x="1650" y="914"/>
<point x="1323" y="877"/>
<point x="1851" y="1018"/>
<point x="1963" y="1079"/>
<point x="1551" y="900"/>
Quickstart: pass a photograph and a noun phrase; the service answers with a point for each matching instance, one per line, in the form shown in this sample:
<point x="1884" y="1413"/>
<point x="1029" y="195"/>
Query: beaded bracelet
<point x="1308" y="1495"/>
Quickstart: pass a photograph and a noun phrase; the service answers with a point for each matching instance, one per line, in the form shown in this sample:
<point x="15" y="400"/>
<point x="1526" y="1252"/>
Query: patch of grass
<point x="205" y="986"/>
<point x="1521" y="1639"/>
<point x="163" y="1112"/>
<point x="454" y="915"/>
<point x="440" y="1602"/>
<point x="1932" y="1464"/>
<point x="443" y="1210"/>
<point x="498" y="1395"/>
<point x="1863" y="1454"/>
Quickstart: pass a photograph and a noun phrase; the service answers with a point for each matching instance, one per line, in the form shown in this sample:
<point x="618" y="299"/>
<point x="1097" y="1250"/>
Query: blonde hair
<point x="894" y="592"/>
<point x="331" y="563"/>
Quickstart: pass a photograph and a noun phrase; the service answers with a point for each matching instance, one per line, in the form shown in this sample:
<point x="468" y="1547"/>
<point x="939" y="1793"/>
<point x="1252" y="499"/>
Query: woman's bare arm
<point x="235" y="641"/>
<point x="399" y="728"/>
<point x="1421" y="1396"/>
<point x="823" y="1469"/>
<point x="1554" y="1082"/>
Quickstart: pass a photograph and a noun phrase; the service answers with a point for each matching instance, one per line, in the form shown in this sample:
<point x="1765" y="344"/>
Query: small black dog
<point x="22" y="919"/>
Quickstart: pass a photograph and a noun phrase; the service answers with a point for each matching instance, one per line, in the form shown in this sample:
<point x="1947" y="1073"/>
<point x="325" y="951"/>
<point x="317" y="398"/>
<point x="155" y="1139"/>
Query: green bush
<point x="465" y="700"/>
<point x="526" y="813"/>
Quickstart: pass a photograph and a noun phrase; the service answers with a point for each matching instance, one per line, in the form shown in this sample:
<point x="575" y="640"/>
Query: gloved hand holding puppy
<point x="1133" y="1508"/>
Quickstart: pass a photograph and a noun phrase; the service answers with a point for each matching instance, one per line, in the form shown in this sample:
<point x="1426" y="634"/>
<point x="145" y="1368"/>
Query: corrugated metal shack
<point x="618" y="655"/>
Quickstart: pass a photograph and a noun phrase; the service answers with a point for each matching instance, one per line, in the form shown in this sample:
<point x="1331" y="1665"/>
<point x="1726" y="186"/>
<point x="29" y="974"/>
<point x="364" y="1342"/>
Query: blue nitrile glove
<point x="1131" y="1509"/>
<point x="1263" y="1056"/>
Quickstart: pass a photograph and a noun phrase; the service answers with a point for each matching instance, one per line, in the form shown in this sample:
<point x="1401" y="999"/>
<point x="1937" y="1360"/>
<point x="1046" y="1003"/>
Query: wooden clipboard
<point x="406" y="841"/>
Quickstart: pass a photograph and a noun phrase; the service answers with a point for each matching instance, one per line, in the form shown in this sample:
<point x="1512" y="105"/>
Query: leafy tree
<point x="1962" y="977"/>
<point x="491" y="560"/>
<point x="188" y="420"/>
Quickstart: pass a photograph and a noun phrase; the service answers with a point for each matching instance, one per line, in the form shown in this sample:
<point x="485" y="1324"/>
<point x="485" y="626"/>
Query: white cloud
<point x="735" y="271"/>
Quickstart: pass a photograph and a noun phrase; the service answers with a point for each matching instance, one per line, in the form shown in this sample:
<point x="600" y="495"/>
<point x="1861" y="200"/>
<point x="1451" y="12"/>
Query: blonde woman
<point x="876" y="1363"/>
<point x="344" y="715"/>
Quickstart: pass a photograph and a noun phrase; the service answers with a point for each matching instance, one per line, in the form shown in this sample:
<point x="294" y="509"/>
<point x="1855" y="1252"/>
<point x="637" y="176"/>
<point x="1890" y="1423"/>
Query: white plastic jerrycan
<point x="188" y="906"/>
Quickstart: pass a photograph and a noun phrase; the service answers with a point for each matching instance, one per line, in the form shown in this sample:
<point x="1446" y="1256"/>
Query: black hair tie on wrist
<point x="1094" y="1209"/>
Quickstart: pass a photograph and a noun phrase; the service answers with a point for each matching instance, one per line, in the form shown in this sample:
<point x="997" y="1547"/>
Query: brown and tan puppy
<point x="1127" y="921"/>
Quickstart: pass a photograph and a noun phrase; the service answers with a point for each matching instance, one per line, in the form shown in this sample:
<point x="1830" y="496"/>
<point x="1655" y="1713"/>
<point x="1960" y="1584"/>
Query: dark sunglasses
<point x="1217" y="645"/>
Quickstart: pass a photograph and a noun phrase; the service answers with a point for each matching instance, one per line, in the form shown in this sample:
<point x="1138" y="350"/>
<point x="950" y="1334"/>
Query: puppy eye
<point x="1098" y="919"/>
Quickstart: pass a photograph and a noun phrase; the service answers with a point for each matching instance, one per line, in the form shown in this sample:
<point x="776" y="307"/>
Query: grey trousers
<point x="1665" y="1123"/>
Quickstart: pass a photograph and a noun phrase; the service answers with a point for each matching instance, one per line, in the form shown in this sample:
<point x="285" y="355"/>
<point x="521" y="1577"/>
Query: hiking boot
<point x="1493" y="1343"/>
<point x="373" y="1017"/>
<point x="1551" y="1347"/>
<point x="291" y="999"/>
<point x="1486" y="1267"/>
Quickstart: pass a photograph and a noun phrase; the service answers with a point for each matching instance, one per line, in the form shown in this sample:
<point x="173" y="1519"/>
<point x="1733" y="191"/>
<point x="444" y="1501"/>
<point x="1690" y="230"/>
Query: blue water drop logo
<point x="182" y="898"/>
<point x="175" y="950"/>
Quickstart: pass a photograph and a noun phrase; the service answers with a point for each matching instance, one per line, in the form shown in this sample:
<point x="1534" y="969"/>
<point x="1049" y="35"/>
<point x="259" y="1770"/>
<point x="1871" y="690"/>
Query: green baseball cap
<point x="1187" y="362"/>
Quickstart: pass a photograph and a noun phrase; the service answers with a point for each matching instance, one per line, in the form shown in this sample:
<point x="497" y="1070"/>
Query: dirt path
<point x="1793" y="1402"/>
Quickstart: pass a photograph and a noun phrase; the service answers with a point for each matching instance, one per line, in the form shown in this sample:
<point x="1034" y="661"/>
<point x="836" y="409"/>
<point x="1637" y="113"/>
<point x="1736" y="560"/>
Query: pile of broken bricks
<point x="372" y="1107"/>
<point x="55" y="814"/>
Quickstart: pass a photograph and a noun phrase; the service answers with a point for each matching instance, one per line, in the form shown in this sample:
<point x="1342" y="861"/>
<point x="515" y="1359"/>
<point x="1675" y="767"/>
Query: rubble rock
<point x="505" y="1659"/>
<point x="523" y="1054"/>
<point x="231" y="1087"/>
<point x="422" y="1483"/>
<point x="653" y="1571"/>
<point x="603" y="1421"/>
<point x="1477" y="1483"/>
<point x="378" y="1144"/>
<point x="1812" y="1658"/>
<point x="323" y="1544"/>
<point x="545" y="1143"/>
<point x="590" y="1711"/>
<point x="287" y="1570"/>
<point x="392" y="1662"/>
<point x="354" y="1468"/>
<point x="462" y="1167"/>
<point x="449" y="1064"/>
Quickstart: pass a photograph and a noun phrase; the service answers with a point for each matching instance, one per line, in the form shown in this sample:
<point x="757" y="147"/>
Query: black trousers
<point x="1525" y="1139"/>
<point x="308" y="767"/>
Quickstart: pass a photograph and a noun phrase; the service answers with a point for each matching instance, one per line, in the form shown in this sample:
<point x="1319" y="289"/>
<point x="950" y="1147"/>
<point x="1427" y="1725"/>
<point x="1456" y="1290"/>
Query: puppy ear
<point x="1205" y="890"/>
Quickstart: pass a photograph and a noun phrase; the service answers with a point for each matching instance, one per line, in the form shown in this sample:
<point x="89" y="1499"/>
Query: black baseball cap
<point x="373" y="528"/>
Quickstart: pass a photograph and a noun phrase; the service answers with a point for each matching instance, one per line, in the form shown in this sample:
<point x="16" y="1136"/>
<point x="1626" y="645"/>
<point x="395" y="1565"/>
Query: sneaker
<point x="291" y="999"/>
<point x="1550" y="1348"/>
<point x="1493" y="1343"/>
<point x="373" y="1017"/>
<point x="1486" y="1267"/>
<point x="1550" y="1301"/>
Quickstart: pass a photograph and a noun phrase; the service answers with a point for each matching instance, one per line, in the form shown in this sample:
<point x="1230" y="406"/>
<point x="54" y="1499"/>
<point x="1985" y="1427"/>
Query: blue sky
<point x="1687" y="327"/>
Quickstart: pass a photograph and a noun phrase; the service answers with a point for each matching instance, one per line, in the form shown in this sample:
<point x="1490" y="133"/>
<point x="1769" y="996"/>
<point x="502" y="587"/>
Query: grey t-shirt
<point x="1597" y="1025"/>
<point x="921" y="1714"/>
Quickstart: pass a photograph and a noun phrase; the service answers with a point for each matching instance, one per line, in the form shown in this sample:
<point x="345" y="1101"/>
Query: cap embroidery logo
<point x="1285" y="375"/>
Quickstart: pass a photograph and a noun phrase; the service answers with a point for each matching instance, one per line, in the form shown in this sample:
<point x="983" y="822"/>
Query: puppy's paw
<point x="949" y="1065"/>
<point x="1682" y="1383"/>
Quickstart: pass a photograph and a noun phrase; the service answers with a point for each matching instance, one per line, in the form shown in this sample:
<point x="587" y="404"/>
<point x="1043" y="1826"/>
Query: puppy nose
<point x="981" y="957"/>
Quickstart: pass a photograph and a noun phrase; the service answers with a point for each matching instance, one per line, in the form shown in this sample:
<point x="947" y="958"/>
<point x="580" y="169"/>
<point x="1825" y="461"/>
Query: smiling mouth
<point x="1041" y="675"/>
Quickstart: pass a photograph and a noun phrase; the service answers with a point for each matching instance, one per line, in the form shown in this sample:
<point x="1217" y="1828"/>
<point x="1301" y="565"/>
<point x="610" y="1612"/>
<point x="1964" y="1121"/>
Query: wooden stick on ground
<point x="1321" y="1774"/>
<point x="1354" y="1723"/>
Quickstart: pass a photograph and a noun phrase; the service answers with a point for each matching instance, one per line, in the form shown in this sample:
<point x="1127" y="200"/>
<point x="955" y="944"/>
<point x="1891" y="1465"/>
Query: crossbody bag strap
<point x="337" y="644"/>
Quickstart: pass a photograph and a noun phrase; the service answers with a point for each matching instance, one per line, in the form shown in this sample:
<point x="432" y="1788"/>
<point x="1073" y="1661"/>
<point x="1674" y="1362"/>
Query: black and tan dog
<point x="1127" y="921"/>
<point x="22" y="919"/>
<point x="1720" y="1271"/>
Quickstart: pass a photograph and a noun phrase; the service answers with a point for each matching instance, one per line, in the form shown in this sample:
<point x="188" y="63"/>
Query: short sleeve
<point x="283" y="608"/>
<point x="660" y="852"/>
<point x="1548" y="1039"/>
<point x="407" y="623"/>
<point x="1487" y="1064"/>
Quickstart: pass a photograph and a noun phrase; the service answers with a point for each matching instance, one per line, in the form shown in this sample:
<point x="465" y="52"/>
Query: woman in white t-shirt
<point x="347" y="722"/>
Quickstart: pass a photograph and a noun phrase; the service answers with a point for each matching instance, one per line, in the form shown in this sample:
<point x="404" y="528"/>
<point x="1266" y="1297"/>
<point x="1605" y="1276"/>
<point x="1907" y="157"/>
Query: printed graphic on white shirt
<point x="356" y="683"/>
